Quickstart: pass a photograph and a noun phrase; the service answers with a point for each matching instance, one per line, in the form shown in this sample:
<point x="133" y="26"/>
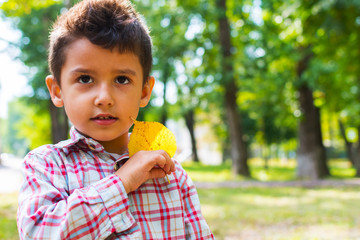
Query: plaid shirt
<point x="71" y="192"/>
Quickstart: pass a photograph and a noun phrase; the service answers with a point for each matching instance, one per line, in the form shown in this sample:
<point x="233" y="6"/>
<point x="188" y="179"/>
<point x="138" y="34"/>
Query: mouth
<point x="104" y="119"/>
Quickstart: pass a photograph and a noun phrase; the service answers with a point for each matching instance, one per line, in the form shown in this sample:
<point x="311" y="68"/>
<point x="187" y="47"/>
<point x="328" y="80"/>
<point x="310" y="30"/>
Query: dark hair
<point x="106" y="23"/>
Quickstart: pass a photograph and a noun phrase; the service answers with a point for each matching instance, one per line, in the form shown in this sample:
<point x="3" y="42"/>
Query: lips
<point x="104" y="119"/>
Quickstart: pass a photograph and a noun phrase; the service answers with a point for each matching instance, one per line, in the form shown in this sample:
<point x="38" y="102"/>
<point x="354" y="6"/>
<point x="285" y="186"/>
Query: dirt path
<point x="10" y="175"/>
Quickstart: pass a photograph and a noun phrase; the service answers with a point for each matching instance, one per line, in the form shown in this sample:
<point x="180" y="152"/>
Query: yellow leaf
<point x="150" y="136"/>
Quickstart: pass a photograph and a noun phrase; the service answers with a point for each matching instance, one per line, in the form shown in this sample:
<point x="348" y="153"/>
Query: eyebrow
<point x="126" y="71"/>
<point x="80" y="70"/>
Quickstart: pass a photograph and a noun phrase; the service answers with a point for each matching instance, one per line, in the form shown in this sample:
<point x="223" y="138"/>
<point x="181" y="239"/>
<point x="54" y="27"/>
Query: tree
<point x="297" y="22"/>
<point x="176" y="49"/>
<point x="19" y="132"/>
<point x="311" y="154"/>
<point x="238" y="145"/>
<point x="342" y="29"/>
<point x="34" y="19"/>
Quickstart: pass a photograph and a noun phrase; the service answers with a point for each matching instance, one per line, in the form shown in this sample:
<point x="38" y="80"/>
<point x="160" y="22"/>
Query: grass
<point x="8" y="207"/>
<point x="278" y="213"/>
<point x="340" y="168"/>
<point x="278" y="170"/>
<point x="282" y="213"/>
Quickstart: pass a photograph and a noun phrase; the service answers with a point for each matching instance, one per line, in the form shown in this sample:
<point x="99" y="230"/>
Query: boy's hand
<point x="145" y="165"/>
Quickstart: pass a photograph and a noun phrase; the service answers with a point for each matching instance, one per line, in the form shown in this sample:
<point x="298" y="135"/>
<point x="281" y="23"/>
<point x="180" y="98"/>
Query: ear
<point x="146" y="91"/>
<point x="54" y="90"/>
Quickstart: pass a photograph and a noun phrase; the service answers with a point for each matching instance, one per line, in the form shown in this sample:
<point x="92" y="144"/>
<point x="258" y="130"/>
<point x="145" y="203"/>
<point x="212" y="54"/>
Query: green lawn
<point x="278" y="170"/>
<point x="282" y="213"/>
<point x="278" y="213"/>
<point x="8" y="207"/>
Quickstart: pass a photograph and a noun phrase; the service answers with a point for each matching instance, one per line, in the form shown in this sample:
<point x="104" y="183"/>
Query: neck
<point x="119" y="146"/>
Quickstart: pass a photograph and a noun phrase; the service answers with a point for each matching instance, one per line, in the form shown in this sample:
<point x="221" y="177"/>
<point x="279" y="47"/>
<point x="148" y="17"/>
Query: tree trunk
<point x="357" y="156"/>
<point x="311" y="154"/>
<point x="348" y="145"/>
<point x="190" y="123"/>
<point x="266" y="157"/>
<point x="356" y="151"/>
<point x="225" y="152"/>
<point x="59" y="124"/>
<point x="164" y="113"/>
<point x="238" y="145"/>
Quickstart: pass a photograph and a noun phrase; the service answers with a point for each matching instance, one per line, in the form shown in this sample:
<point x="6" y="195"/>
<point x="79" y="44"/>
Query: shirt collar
<point x="76" y="138"/>
<point x="79" y="140"/>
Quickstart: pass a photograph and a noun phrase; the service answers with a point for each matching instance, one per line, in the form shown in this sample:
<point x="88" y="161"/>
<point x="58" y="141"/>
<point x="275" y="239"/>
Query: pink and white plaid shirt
<point x="70" y="191"/>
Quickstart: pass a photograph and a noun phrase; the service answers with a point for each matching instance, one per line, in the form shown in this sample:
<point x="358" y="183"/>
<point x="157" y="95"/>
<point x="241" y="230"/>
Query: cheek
<point x="132" y="99"/>
<point x="75" y="107"/>
<point x="70" y="113"/>
<point x="77" y="99"/>
<point x="131" y="108"/>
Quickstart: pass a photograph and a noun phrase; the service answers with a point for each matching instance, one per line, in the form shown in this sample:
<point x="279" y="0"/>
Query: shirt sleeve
<point x="195" y="224"/>
<point x="48" y="211"/>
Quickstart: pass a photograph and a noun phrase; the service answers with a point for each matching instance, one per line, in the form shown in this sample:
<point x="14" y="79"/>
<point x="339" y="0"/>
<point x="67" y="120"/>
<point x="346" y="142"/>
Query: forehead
<point x="81" y="53"/>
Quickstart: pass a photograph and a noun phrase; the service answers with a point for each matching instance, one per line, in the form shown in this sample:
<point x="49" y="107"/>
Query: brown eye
<point x="122" y="80"/>
<point x="85" y="79"/>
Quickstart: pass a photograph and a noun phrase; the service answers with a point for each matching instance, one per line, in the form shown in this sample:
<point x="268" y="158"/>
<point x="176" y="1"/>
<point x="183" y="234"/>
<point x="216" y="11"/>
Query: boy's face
<point x="101" y="91"/>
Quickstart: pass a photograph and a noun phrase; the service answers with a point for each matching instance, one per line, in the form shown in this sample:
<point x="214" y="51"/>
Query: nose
<point x="104" y="96"/>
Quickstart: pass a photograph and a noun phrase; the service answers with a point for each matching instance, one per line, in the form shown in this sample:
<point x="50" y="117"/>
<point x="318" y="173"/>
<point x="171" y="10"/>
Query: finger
<point x="164" y="154"/>
<point x="161" y="158"/>
<point x="167" y="168"/>
<point x="172" y="166"/>
<point x="157" y="173"/>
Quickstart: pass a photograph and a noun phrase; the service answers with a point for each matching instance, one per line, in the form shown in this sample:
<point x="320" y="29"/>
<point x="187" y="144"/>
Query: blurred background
<point x="262" y="95"/>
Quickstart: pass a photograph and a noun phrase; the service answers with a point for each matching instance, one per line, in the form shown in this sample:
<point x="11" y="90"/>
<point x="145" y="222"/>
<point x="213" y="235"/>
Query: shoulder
<point x="182" y="176"/>
<point x="49" y="151"/>
<point x="180" y="171"/>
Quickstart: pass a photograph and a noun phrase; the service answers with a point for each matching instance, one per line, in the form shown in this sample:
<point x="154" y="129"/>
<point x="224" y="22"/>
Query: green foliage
<point x="27" y="127"/>
<point x="34" y="46"/>
<point x="18" y="8"/>
<point x="12" y="142"/>
<point x="268" y="38"/>
<point x="34" y="126"/>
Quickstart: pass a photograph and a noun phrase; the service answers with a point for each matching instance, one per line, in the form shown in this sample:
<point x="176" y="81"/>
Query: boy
<point x="87" y="187"/>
